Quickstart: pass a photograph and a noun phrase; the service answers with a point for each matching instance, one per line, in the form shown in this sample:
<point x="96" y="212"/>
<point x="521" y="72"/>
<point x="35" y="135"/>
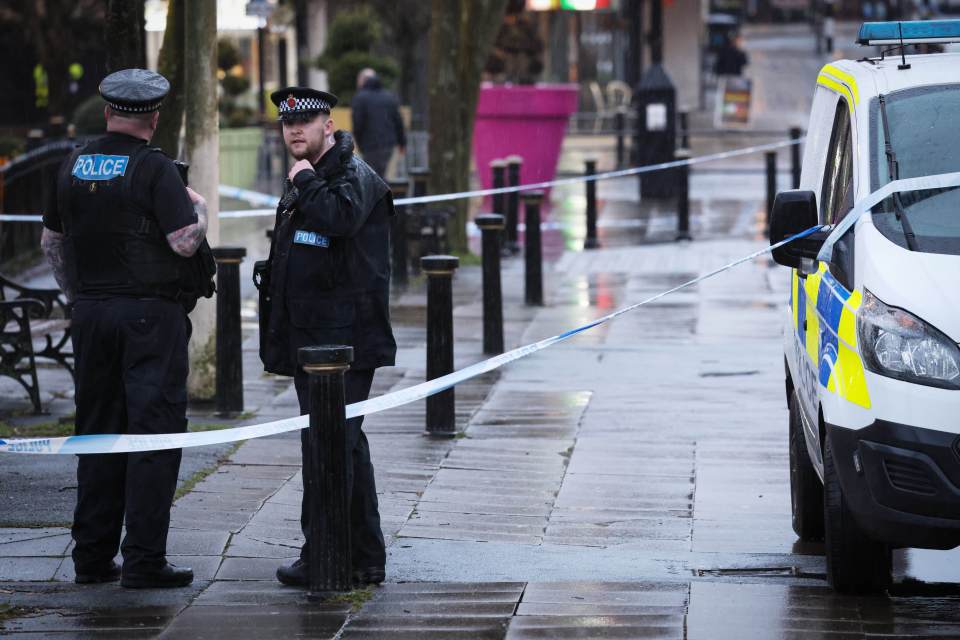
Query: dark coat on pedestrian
<point x="376" y="118"/>
<point x="329" y="265"/>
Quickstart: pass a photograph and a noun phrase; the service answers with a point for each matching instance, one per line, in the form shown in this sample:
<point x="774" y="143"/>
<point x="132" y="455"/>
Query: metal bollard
<point x="795" y="134"/>
<point x="620" y="123"/>
<point x="419" y="176"/>
<point x="771" y="158"/>
<point x="591" y="240"/>
<point x="399" y="251"/>
<point x="683" y="196"/>
<point x="514" y="164"/>
<point x="533" y="250"/>
<point x="441" y="407"/>
<point x="326" y="493"/>
<point x="684" y="122"/>
<point x="229" y="351"/>
<point x="498" y="169"/>
<point x="491" y="226"/>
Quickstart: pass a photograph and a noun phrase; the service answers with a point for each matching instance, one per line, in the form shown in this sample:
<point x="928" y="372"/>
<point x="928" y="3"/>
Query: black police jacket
<point x="328" y="275"/>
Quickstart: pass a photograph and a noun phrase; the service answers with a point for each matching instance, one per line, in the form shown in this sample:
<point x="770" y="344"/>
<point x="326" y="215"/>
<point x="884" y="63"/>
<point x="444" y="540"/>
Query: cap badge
<point x="291" y="102"/>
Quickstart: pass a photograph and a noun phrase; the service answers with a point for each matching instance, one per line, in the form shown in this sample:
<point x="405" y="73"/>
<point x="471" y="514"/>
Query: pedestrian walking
<point x="731" y="58"/>
<point x="124" y="237"/>
<point x="327" y="282"/>
<point x="377" y="125"/>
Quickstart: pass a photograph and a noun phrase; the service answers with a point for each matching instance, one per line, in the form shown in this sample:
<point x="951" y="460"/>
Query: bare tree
<point x="461" y="36"/>
<point x="170" y="65"/>
<point x="202" y="152"/>
<point x="124" y="35"/>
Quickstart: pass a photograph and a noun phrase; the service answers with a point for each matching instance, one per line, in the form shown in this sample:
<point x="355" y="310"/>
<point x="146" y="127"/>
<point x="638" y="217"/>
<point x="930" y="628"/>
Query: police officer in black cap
<point x="327" y="281"/>
<point x="121" y="236"/>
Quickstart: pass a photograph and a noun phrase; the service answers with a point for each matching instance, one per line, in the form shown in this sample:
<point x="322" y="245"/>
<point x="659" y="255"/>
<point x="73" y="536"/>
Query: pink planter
<point x="524" y="120"/>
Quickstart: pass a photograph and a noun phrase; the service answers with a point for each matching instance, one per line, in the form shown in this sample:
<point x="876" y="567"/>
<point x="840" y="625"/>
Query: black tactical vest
<point x="116" y="248"/>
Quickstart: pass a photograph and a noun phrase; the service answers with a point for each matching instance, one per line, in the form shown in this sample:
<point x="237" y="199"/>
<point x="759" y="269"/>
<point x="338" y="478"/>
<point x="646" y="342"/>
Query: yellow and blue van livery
<point x="871" y="336"/>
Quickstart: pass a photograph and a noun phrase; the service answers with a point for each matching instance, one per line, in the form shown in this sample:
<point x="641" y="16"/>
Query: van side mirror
<point x="795" y="211"/>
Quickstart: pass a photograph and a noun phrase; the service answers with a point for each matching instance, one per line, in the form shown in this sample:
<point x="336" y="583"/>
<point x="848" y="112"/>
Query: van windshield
<point x="925" y="136"/>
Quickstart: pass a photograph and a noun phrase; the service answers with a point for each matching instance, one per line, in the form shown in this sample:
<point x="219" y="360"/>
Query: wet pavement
<point x="631" y="482"/>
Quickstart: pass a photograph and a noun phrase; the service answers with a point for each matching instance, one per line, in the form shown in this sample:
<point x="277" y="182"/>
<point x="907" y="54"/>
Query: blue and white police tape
<point x="270" y="201"/>
<point x="923" y="183"/>
<point x="264" y="199"/>
<point x="124" y="443"/>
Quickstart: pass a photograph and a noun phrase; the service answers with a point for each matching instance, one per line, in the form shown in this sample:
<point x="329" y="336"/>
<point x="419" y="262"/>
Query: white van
<point x="871" y="334"/>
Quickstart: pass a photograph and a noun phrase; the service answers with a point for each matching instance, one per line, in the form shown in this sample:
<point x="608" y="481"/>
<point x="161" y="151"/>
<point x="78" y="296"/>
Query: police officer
<point x="328" y="283"/>
<point x="120" y="236"/>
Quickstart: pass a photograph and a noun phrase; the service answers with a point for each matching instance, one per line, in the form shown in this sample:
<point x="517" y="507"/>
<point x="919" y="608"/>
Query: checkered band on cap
<point x="292" y="105"/>
<point x="140" y="108"/>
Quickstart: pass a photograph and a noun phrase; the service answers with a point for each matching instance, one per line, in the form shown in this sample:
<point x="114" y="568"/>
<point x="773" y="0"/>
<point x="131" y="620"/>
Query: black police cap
<point x="134" y="90"/>
<point x="297" y="100"/>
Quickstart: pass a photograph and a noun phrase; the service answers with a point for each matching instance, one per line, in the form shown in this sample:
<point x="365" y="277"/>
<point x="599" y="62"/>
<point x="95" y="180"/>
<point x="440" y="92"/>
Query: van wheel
<point x="855" y="563"/>
<point x="806" y="493"/>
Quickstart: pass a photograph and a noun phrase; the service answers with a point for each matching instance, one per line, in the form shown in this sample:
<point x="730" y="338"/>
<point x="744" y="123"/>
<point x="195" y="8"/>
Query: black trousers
<point x="131" y="371"/>
<point x="366" y="538"/>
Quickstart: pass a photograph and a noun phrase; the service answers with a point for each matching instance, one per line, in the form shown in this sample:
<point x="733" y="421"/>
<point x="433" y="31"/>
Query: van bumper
<point x="901" y="483"/>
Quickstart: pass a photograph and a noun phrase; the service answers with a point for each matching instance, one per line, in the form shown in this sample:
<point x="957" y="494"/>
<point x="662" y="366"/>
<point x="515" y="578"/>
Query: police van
<point x="872" y="328"/>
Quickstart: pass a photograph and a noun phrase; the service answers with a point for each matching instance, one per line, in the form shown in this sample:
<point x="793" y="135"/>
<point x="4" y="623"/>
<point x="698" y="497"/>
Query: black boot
<point x="369" y="575"/>
<point x="108" y="573"/>
<point x="295" y="575"/>
<point x="166" y="577"/>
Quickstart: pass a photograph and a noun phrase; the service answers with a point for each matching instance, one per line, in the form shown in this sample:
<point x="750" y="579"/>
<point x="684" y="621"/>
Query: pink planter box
<point x="524" y="120"/>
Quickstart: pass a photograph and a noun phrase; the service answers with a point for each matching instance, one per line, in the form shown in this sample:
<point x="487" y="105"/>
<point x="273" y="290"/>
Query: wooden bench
<point x="34" y="324"/>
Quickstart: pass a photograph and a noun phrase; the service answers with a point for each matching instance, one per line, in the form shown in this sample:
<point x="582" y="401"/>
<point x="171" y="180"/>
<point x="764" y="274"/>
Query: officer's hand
<point x="195" y="197"/>
<point x="299" y="166"/>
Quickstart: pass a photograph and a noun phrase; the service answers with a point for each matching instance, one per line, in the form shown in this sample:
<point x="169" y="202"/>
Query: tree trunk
<point x="170" y="66"/>
<point x="461" y="36"/>
<point x="123" y="36"/>
<point x="202" y="152"/>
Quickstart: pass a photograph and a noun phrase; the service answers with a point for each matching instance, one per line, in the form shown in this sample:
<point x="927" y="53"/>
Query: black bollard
<point x="441" y="407"/>
<point x="498" y="169"/>
<point x="514" y="163"/>
<point x="229" y="350"/>
<point x="683" y="196"/>
<point x="325" y="489"/>
<point x="771" y="158"/>
<point x="684" y="116"/>
<point x="491" y="226"/>
<point x="533" y="250"/>
<point x="795" y="134"/>
<point x="591" y="241"/>
<point x="419" y="176"/>
<point x="620" y="123"/>
<point x="398" y="236"/>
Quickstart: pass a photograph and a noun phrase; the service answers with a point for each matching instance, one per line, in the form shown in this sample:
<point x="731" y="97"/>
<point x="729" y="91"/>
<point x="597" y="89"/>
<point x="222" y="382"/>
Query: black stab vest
<point x="114" y="247"/>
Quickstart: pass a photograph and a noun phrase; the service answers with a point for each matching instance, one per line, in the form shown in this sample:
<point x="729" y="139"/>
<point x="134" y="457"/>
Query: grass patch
<point x="460" y="435"/>
<point x="191" y="482"/>
<point x="52" y="429"/>
<point x="468" y="259"/>
<point x="208" y="426"/>
<point x="356" y="598"/>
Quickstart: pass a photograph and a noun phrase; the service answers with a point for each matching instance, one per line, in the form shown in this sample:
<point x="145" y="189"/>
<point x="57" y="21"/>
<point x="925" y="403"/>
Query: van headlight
<point x="899" y="345"/>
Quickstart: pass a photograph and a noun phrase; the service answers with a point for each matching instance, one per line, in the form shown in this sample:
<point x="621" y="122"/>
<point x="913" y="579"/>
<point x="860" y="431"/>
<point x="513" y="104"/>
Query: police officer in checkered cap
<point x="121" y="235"/>
<point x="327" y="282"/>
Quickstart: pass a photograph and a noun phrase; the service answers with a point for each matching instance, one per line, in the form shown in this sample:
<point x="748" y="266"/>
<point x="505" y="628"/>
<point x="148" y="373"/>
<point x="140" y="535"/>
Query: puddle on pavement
<point x="919" y="569"/>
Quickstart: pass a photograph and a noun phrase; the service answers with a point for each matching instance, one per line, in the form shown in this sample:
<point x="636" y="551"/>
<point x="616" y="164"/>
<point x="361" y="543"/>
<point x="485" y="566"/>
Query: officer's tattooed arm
<point x="52" y="243"/>
<point x="185" y="240"/>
